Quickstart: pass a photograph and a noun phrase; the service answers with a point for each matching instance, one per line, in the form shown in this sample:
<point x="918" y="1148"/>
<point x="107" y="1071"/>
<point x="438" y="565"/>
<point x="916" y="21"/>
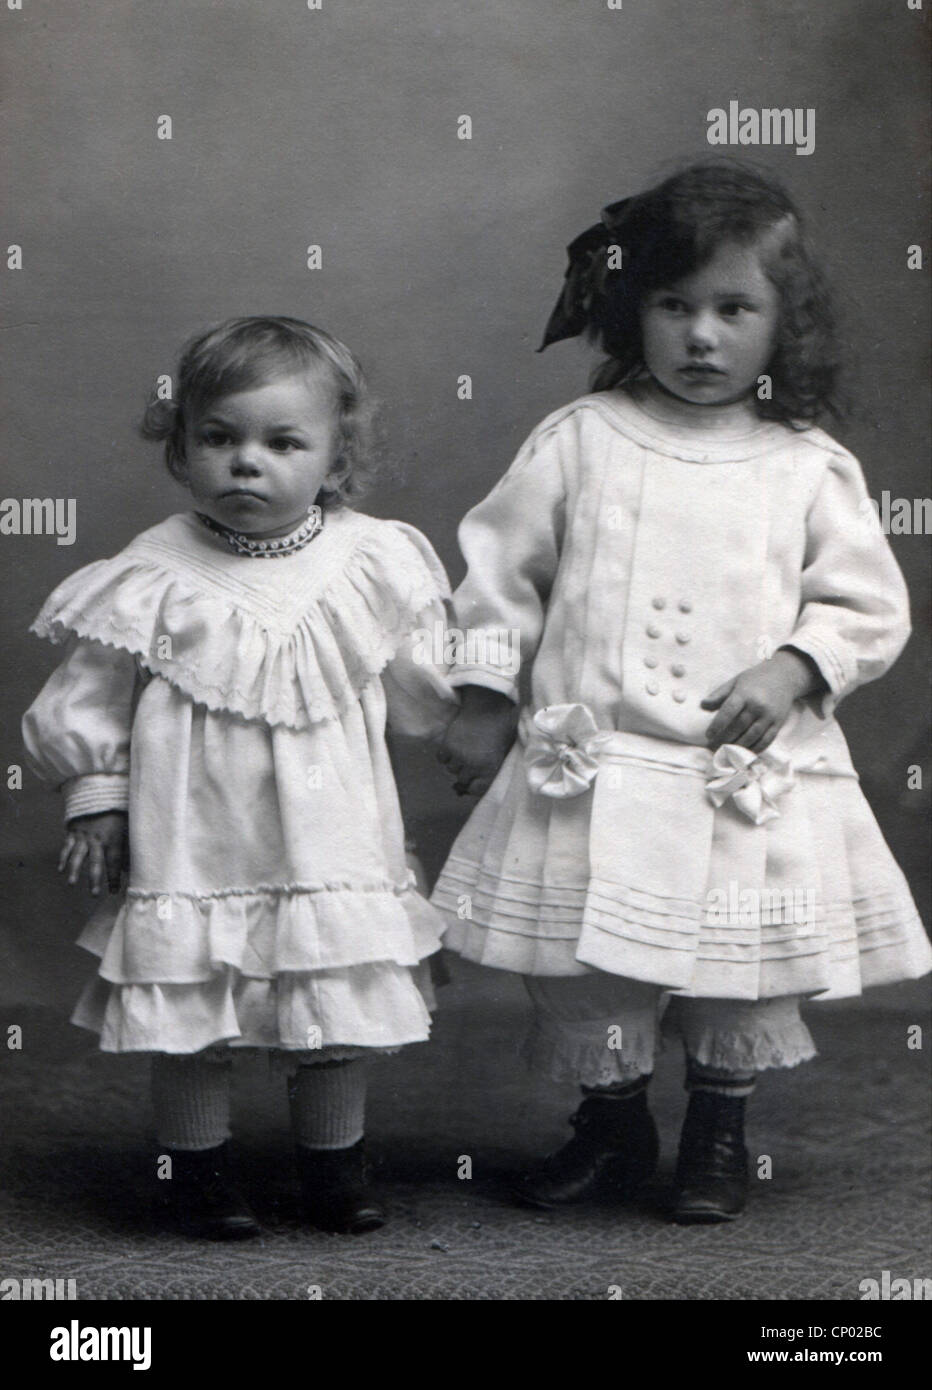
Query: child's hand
<point x="754" y="706"/>
<point x="102" y="840"/>
<point x="477" y="741"/>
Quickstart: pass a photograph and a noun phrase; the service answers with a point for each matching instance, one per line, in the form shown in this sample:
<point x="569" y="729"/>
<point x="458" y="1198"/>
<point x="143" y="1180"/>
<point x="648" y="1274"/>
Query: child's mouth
<point x="700" y="371"/>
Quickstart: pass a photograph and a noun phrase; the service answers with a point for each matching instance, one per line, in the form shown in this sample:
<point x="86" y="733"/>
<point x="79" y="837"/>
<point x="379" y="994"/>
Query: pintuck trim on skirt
<point x="639" y="872"/>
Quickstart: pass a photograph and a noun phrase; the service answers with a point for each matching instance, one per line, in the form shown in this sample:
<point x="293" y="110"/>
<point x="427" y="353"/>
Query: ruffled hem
<point x="285" y="1060"/>
<point x="181" y="939"/>
<point x="292" y="654"/>
<point x="378" y="1005"/>
<point x="775" y="1037"/>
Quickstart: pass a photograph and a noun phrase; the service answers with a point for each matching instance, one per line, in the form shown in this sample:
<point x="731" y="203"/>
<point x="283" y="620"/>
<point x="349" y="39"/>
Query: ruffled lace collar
<point x="291" y="643"/>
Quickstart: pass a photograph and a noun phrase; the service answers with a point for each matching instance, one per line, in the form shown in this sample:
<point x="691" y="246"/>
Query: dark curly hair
<point x="674" y="229"/>
<point x="247" y="352"/>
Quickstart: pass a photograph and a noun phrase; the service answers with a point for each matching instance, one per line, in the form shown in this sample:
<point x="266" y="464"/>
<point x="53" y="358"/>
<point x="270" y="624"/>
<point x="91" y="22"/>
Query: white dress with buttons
<point x="644" y="563"/>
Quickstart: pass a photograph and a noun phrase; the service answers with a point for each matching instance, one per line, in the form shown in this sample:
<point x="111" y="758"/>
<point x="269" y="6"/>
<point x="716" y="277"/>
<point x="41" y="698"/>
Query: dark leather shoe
<point x="335" y="1192"/>
<point x="200" y="1198"/>
<point x="612" y="1154"/>
<point x="712" y="1167"/>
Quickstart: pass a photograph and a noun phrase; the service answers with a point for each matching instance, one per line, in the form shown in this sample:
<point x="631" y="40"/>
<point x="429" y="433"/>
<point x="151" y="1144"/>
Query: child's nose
<point x="701" y="331"/>
<point x="247" y="459"/>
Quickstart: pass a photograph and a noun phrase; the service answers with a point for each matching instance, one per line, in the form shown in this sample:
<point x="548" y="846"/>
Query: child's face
<point x="256" y="459"/>
<point x="708" y="337"/>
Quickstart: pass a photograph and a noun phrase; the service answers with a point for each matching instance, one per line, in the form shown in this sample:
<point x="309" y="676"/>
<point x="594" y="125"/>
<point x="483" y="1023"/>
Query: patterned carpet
<point x="847" y="1135"/>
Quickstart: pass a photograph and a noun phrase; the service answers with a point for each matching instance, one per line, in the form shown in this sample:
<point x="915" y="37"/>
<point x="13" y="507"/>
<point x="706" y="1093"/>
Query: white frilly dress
<point x="634" y="565"/>
<point x="236" y="707"/>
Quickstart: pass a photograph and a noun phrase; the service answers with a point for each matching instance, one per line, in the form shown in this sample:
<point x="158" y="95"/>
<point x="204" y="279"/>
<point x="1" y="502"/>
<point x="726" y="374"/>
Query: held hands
<point x="477" y="741"/>
<point x="754" y="705"/>
<point x="103" y="842"/>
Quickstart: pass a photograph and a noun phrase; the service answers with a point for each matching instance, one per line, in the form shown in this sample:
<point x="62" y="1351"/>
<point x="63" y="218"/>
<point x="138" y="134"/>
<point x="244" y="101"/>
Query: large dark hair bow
<point x="586" y="275"/>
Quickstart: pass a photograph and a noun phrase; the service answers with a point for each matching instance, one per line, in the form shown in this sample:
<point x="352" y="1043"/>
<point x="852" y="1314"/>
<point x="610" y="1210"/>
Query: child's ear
<point x="336" y="477"/>
<point x="177" y="453"/>
<point x="179" y="468"/>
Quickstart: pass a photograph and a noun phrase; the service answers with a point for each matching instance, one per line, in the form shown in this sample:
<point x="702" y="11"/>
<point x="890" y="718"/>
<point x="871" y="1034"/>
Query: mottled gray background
<point x="440" y="257"/>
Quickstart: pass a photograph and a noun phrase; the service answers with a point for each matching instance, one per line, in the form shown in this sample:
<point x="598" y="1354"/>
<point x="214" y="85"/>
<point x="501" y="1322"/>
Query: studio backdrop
<point x="407" y="175"/>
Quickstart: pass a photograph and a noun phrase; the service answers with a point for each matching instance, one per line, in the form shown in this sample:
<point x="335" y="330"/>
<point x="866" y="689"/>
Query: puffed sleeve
<point x="419" y="696"/>
<point x="77" y="730"/>
<point x="854" y="613"/>
<point x="420" y="701"/>
<point x="511" y="543"/>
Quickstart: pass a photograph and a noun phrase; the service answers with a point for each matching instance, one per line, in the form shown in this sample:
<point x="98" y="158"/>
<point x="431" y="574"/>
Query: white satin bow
<point x="562" y="750"/>
<point x="754" y="781"/>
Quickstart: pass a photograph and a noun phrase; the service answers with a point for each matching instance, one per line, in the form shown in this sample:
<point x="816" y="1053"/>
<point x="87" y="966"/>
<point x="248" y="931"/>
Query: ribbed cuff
<point x="718" y="1080"/>
<point x="831" y="667"/>
<point x="96" y="792"/>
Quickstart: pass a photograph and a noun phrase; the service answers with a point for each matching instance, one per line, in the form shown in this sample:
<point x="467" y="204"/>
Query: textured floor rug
<point x="847" y="1136"/>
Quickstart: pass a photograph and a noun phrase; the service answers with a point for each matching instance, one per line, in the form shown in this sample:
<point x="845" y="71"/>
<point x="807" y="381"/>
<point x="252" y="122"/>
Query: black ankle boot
<point x="712" y="1167"/>
<point x="613" y="1152"/>
<point x="201" y="1199"/>
<point x="333" y="1186"/>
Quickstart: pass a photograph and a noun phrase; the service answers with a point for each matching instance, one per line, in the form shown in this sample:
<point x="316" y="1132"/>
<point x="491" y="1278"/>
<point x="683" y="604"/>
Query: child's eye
<point x="733" y="309"/>
<point x="283" y="446"/>
<point x="669" y="303"/>
<point x="214" y="439"/>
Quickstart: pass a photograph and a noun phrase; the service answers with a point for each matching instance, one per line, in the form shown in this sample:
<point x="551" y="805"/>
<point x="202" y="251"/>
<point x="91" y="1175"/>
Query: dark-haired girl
<point x="218" y="732"/>
<point x="697" y="578"/>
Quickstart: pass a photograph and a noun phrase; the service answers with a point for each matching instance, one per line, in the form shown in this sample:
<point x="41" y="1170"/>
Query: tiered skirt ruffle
<point x="292" y="970"/>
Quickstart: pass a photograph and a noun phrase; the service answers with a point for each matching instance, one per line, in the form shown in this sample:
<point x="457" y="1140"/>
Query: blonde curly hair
<point x="243" y="353"/>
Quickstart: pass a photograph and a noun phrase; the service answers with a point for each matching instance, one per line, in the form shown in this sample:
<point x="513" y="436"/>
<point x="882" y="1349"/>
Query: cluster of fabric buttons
<point x="681" y="636"/>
